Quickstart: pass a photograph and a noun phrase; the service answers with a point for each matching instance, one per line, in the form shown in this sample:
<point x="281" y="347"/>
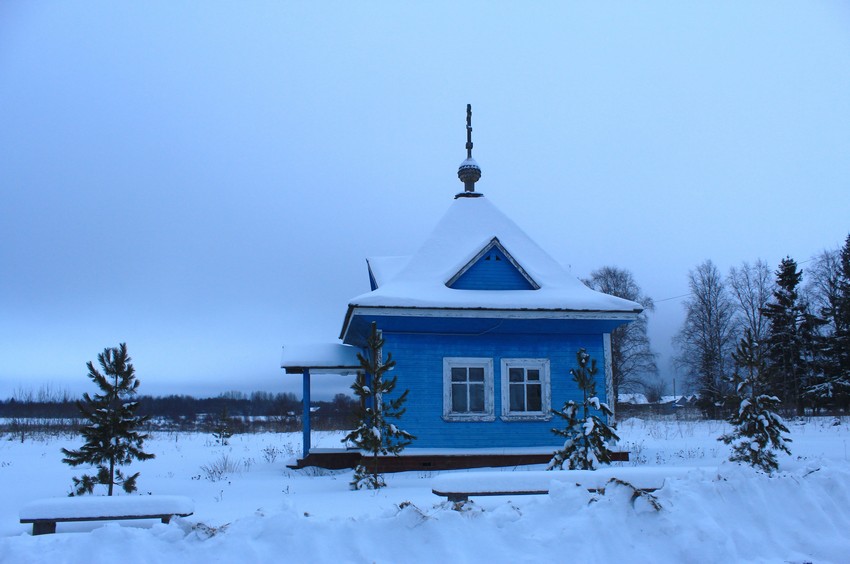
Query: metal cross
<point x="469" y="131"/>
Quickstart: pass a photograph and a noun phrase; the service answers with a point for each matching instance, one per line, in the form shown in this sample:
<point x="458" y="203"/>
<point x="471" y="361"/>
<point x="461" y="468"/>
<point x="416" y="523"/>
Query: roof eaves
<point x="474" y="311"/>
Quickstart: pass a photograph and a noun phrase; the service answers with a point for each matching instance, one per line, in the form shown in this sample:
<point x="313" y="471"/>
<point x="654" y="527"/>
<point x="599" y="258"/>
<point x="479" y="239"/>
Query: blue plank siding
<point x="420" y="369"/>
<point x="492" y="271"/>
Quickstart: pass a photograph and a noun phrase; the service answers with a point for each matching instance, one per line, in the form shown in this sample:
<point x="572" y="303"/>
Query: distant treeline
<point x="255" y="411"/>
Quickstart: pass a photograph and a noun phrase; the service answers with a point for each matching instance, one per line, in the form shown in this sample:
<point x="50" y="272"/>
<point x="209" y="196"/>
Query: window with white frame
<point x="468" y="389"/>
<point x="525" y="388"/>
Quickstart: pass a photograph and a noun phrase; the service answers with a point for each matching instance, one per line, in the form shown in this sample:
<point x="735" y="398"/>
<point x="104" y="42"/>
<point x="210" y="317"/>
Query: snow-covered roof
<point x="331" y="358"/>
<point x="636" y="399"/>
<point x="467" y="227"/>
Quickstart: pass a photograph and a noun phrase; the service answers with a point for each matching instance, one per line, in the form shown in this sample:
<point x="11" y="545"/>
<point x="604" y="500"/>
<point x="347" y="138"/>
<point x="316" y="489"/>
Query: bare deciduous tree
<point x="632" y="359"/>
<point x="752" y="287"/>
<point x="708" y="336"/>
<point x="823" y="285"/>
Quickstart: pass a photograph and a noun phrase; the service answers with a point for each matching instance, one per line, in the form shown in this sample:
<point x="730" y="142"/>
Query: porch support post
<point x="305" y="418"/>
<point x="609" y="376"/>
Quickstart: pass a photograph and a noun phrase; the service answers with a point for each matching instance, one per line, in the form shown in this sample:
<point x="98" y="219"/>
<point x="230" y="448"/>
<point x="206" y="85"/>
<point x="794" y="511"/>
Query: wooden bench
<point x="45" y="513"/>
<point x="460" y="486"/>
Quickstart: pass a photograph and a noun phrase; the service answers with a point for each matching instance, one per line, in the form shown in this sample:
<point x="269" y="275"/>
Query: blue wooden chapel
<point x="484" y="326"/>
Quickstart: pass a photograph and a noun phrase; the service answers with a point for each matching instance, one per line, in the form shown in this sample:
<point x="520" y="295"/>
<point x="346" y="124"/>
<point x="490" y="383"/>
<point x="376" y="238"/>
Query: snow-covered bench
<point x="45" y="513"/>
<point x="460" y="486"/>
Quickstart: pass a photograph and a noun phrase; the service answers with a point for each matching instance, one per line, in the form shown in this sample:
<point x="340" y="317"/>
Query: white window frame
<point x="468" y="362"/>
<point x="541" y="364"/>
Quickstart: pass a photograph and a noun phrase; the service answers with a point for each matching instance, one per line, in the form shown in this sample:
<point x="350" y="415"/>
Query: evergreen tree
<point x="376" y="434"/>
<point x="758" y="430"/>
<point x="833" y="386"/>
<point x="786" y="367"/>
<point x="111" y="435"/>
<point x="814" y="361"/>
<point x="842" y="313"/>
<point x="587" y="435"/>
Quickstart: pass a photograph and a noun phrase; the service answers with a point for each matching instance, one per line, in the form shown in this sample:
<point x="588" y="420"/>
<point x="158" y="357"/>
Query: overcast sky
<point x="204" y="180"/>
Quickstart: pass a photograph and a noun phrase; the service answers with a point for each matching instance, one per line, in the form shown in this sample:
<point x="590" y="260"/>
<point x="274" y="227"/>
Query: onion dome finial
<point x="469" y="172"/>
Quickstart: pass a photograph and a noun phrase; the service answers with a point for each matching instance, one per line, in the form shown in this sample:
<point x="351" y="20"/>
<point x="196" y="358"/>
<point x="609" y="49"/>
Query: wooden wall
<point x="420" y="369"/>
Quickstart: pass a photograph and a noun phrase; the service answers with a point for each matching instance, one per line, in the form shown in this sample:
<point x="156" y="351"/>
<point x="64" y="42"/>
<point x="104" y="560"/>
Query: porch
<point x="325" y="358"/>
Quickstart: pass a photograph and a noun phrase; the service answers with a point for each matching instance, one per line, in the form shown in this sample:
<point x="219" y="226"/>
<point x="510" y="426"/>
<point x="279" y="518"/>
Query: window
<point x="525" y="388"/>
<point x="468" y="389"/>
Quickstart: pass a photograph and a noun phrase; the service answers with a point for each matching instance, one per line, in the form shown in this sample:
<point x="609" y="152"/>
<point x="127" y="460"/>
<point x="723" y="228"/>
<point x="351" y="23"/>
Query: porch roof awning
<point x="320" y="358"/>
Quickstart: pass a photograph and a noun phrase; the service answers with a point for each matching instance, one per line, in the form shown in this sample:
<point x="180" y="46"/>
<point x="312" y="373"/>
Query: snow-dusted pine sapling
<point x="587" y="436"/>
<point x="222" y="428"/>
<point x="376" y="434"/>
<point x="112" y="438"/>
<point x="757" y="429"/>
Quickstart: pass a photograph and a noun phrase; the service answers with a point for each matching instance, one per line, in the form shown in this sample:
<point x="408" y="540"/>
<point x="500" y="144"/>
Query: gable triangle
<point x="493" y="268"/>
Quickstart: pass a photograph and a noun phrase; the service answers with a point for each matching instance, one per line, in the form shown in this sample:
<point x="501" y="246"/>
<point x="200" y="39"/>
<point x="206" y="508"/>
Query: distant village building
<point x="484" y="326"/>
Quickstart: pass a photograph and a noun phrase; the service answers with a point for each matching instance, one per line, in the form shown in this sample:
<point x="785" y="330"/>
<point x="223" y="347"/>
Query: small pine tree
<point x="587" y="436"/>
<point x="758" y="430"/>
<point x="111" y="436"/>
<point x="222" y="428"/>
<point x="375" y="433"/>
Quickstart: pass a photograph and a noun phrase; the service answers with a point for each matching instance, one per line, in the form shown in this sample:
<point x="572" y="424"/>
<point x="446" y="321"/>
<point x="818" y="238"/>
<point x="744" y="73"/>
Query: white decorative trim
<point x="609" y="375"/>
<point x="545" y="412"/>
<point x="482" y="313"/>
<point x="467" y="362"/>
<point x="495" y="313"/>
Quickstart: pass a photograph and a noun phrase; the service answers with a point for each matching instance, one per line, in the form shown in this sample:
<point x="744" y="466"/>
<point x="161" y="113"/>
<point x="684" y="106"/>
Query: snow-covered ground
<point x="250" y="508"/>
